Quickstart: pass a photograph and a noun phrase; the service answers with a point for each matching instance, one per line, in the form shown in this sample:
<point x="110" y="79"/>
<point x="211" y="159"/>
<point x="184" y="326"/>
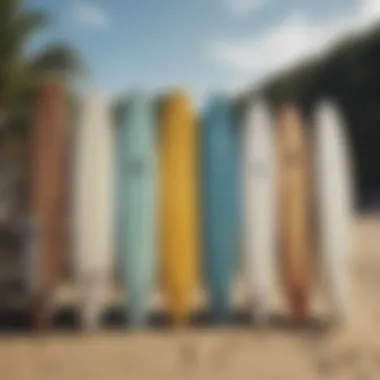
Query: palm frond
<point x="14" y="35"/>
<point x="9" y="10"/>
<point x="29" y="23"/>
<point x="58" y="59"/>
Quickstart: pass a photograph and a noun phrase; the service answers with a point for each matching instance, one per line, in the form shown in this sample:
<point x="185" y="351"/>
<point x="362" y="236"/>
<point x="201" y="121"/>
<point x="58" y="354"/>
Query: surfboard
<point x="92" y="208"/>
<point x="178" y="210"/>
<point x="47" y="194"/>
<point x="334" y="203"/>
<point x="259" y="207"/>
<point x="219" y="203"/>
<point x="118" y="114"/>
<point x="137" y="203"/>
<point x="294" y="211"/>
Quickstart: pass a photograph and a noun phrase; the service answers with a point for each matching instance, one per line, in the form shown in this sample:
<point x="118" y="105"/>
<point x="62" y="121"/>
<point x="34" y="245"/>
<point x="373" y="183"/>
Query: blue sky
<point x="204" y="45"/>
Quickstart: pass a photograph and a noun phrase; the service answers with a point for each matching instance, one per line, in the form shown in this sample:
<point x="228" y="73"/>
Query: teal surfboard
<point x="136" y="203"/>
<point x="219" y="204"/>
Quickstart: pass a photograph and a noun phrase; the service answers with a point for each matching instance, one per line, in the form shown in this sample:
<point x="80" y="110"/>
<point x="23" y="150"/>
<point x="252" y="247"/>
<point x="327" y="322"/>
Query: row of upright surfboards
<point x="182" y="200"/>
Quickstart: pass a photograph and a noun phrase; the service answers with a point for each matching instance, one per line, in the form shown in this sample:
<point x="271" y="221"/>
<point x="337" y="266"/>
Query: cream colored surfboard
<point x="92" y="207"/>
<point x="334" y="203"/>
<point x="259" y="207"/>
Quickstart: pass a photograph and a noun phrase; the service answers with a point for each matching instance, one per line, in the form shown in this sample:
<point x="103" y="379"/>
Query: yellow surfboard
<point x="178" y="214"/>
<point x="294" y="211"/>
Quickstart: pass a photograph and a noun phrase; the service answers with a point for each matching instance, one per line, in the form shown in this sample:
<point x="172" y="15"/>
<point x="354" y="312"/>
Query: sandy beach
<point x="240" y="351"/>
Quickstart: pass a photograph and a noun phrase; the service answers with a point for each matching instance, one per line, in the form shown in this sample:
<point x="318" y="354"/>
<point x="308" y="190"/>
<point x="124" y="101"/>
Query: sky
<point x="204" y="45"/>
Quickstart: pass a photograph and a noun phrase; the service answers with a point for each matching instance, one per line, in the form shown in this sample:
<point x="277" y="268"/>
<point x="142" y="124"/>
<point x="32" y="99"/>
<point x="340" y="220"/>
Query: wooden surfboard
<point x="137" y="203"/>
<point x="334" y="203"/>
<point x="92" y="207"/>
<point x="178" y="212"/>
<point x="47" y="194"/>
<point x="259" y="207"/>
<point x="294" y="211"/>
<point x="220" y="182"/>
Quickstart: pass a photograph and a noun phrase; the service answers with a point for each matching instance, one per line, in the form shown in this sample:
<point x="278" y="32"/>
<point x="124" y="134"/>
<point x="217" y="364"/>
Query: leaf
<point x="57" y="58"/>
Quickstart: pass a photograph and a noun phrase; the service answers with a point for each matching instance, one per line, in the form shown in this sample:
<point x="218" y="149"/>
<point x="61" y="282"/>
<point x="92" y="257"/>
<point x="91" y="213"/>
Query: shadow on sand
<point x="68" y="319"/>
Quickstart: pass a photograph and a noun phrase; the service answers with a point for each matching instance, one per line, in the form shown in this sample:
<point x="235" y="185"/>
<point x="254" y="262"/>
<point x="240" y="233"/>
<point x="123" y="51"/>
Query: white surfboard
<point x="92" y="207"/>
<point x="258" y="208"/>
<point x="334" y="203"/>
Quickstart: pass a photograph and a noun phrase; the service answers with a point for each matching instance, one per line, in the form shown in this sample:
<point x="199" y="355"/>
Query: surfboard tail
<point x="41" y="315"/>
<point x="38" y="285"/>
<point x="180" y="317"/>
<point x="220" y="306"/>
<point x="220" y="312"/>
<point x="259" y="308"/>
<point x="338" y="296"/>
<point x="93" y="302"/>
<point x="138" y="311"/>
<point x="179" y="303"/>
<point x="299" y="307"/>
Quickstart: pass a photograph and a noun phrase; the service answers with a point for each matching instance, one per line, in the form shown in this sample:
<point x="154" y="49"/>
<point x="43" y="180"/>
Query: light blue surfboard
<point x="219" y="167"/>
<point x="136" y="203"/>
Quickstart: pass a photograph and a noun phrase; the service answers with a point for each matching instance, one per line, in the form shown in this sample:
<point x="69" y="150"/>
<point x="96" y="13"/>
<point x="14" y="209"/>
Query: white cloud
<point x="91" y="15"/>
<point x="295" y="38"/>
<point x="243" y="7"/>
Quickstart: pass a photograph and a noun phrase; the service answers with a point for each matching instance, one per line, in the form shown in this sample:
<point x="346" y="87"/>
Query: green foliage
<point x="19" y="73"/>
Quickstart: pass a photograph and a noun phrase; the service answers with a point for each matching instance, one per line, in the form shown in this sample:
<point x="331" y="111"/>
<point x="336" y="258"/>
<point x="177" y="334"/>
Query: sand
<point x="241" y="351"/>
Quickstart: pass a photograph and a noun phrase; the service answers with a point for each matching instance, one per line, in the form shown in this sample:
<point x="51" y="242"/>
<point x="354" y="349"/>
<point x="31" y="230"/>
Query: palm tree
<point x="20" y="72"/>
